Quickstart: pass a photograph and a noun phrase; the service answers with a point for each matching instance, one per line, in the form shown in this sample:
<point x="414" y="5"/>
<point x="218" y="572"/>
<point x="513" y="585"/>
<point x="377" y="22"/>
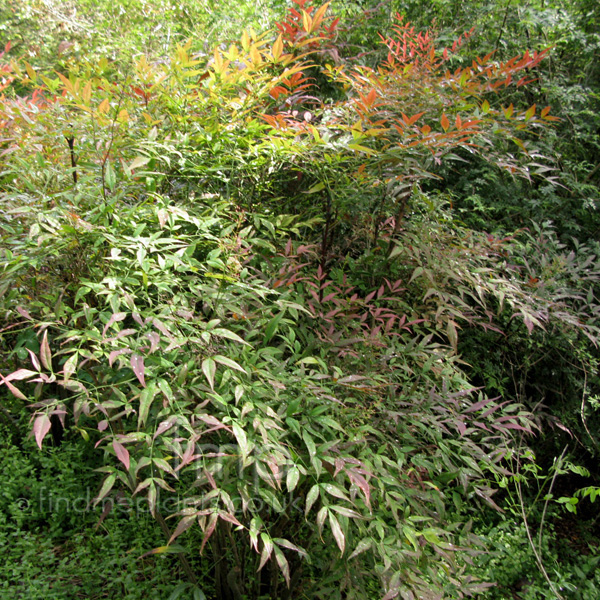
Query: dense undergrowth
<point x="297" y="312"/>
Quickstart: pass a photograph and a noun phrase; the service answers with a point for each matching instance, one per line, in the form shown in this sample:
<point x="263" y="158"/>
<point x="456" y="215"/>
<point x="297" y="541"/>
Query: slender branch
<point x="503" y="24"/>
<point x="538" y="558"/>
<point x="71" y="142"/>
<point x="558" y="464"/>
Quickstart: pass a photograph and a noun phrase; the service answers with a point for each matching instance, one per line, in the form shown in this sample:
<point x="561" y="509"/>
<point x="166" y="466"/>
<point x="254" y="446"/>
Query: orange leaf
<point x="277" y="48"/>
<point x="319" y="15"/>
<point x="414" y="118"/>
<point x="445" y="123"/>
<point x="307" y="23"/>
<point x="68" y="85"/>
<point x="371" y="97"/>
<point x="104" y="106"/>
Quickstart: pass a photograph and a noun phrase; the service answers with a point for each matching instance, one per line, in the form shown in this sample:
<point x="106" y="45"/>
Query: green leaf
<point x="229" y="363"/>
<point x="311" y="498"/>
<point x="70" y="366"/>
<point x="266" y="551"/>
<point x="346" y="512"/>
<point x="272" y="326"/>
<point x="338" y="534"/>
<point x="165" y="388"/>
<point x="293" y="476"/>
<point x="242" y="440"/>
<point x="310" y="444"/>
<point x="199" y="594"/>
<point x="335" y="491"/>
<point x="109" y="176"/>
<point x="209" y="368"/>
<point x="146" y="398"/>
<point x="315" y="188"/>
<point x="106" y="487"/>
<point x="530" y="112"/>
<point x="283" y="564"/>
<point x="361" y="547"/>
<point x="229" y="335"/>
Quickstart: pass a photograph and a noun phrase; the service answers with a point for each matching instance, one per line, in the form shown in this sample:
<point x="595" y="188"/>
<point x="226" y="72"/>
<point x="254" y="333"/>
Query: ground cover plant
<point x="238" y="297"/>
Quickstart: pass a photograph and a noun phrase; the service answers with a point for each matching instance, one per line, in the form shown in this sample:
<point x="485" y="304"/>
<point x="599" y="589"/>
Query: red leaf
<point x="478" y="405"/>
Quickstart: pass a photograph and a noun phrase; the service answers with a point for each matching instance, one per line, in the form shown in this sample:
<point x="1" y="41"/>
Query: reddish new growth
<point x="307" y="22"/>
<point x="416" y="48"/>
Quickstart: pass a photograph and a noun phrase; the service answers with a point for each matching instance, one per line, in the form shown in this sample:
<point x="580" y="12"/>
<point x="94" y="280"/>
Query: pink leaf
<point x="137" y="364"/>
<point x="209" y="530"/>
<point x="24" y="313"/>
<point x="163" y="426"/>
<point x="34" y="360"/>
<point x="15" y="391"/>
<point x="154" y="340"/>
<point x="478" y="405"/>
<point x="122" y="453"/>
<point x="230" y="518"/>
<point x="115" y="353"/>
<point x="184" y="524"/>
<point x="20" y="374"/>
<point x="113" y="319"/>
<point x="338" y="534"/>
<point x="362" y="483"/>
<point x="45" y="354"/>
<point x="41" y="427"/>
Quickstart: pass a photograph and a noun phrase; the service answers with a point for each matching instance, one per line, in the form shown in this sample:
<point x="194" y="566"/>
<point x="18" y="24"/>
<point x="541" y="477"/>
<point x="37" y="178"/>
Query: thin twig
<point x="538" y="558"/>
<point x="558" y="464"/>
